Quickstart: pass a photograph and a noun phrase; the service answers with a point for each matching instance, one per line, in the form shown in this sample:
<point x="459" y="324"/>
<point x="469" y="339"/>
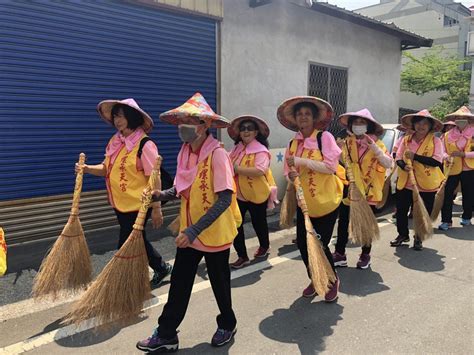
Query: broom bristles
<point x="438" y="203"/>
<point x="421" y="218"/>
<point x="173" y="227"/>
<point x="288" y="207"/>
<point x="121" y="288"/>
<point x="67" y="267"/>
<point x="363" y="226"/>
<point x="321" y="272"/>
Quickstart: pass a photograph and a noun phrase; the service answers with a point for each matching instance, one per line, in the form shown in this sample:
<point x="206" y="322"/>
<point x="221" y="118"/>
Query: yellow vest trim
<point x="322" y="192"/>
<point x="124" y="182"/>
<point x="458" y="162"/>
<point x="427" y="177"/>
<point x="201" y="197"/>
<point x="255" y="189"/>
<point x="369" y="174"/>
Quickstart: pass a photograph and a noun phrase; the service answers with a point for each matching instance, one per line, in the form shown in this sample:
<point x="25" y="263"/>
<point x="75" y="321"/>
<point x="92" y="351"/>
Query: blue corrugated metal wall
<point x="59" y="59"/>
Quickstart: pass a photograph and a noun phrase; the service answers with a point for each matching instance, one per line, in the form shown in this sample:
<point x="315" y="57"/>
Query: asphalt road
<point x="407" y="302"/>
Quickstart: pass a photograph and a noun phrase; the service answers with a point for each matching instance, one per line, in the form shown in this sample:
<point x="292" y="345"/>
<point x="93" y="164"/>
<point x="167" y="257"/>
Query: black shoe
<point x="417" y="244"/>
<point x="399" y="241"/>
<point x="158" y="276"/>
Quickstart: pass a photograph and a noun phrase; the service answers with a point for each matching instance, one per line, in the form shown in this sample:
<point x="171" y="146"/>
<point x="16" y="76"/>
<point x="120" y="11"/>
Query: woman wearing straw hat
<point x="426" y="152"/>
<point x="369" y="159"/>
<point x="404" y="131"/>
<point x="209" y="218"/>
<point x="447" y="126"/>
<point x="251" y="159"/>
<point x="459" y="145"/>
<point x="126" y="171"/>
<point x="315" y="155"/>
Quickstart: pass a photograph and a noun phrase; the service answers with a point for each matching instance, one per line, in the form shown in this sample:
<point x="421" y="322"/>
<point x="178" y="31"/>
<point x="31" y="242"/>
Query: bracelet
<point x="155" y="198"/>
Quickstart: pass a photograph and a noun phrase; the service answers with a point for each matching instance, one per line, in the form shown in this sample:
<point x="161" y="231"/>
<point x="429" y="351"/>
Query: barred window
<point x="330" y="84"/>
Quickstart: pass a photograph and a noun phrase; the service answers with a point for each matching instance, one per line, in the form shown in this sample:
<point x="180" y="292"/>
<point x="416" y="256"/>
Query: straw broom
<point x="439" y="198"/>
<point x="363" y="227"/>
<point x="421" y="218"/>
<point x="288" y="207"/>
<point x="122" y="287"/>
<point x="67" y="267"/>
<point x="322" y="275"/>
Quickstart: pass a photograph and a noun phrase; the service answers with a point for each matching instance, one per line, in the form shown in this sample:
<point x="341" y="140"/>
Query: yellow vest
<point x="125" y="183"/>
<point x="322" y="192"/>
<point x="368" y="173"/>
<point x="427" y="177"/>
<point x="255" y="189"/>
<point x="201" y="197"/>
<point x="458" y="162"/>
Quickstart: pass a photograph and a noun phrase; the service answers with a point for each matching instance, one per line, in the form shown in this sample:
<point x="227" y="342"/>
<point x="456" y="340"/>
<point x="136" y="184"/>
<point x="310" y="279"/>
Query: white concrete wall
<point x="266" y="53"/>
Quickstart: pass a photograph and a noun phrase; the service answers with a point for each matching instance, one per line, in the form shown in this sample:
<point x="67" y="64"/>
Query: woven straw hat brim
<point x="104" y="108"/>
<point x="233" y="129"/>
<point x="287" y="119"/>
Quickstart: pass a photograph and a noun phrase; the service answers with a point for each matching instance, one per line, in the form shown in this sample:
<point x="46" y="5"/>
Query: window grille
<point x="330" y="84"/>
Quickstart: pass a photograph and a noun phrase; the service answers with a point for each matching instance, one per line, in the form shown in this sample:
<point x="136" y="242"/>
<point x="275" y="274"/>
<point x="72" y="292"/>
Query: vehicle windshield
<point x="387" y="138"/>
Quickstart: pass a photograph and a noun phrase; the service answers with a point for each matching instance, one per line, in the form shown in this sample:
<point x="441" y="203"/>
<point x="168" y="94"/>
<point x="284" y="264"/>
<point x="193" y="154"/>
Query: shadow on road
<point x="306" y="323"/>
<point x="356" y="282"/>
<point x="427" y="260"/>
<point x="98" y="334"/>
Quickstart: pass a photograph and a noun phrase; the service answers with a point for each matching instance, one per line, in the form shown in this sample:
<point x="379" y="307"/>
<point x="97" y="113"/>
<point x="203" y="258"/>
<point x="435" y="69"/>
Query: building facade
<point x="442" y="20"/>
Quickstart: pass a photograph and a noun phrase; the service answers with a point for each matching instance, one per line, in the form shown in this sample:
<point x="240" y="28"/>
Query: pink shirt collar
<point x="253" y="147"/>
<point x="455" y="134"/>
<point x="118" y="141"/>
<point x="308" y="143"/>
<point x="185" y="172"/>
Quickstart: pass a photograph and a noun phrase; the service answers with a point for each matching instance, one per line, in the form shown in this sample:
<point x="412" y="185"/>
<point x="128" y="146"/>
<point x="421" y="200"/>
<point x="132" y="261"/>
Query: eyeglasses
<point x="249" y="128"/>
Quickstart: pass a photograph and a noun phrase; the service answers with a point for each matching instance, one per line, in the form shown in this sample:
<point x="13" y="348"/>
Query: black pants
<point x="324" y="226"/>
<point x="467" y="189"/>
<point x="404" y="201"/>
<point x="126" y="221"/>
<point x="258" y="215"/>
<point x="182" y="279"/>
<point x="343" y="230"/>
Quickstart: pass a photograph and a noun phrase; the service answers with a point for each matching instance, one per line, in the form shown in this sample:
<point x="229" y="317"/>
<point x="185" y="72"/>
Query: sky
<point x="355" y="4"/>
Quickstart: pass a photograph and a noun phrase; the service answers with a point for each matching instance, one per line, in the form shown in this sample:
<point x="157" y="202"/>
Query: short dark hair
<point x="417" y="119"/>
<point x="370" y="124"/>
<point x="134" y="118"/>
<point x="260" y="138"/>
<point x="314" y="109"/>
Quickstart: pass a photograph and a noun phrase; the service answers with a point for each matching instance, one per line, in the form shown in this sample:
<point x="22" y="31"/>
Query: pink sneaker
<point x="339" y="259"/>
<point x="240" y="263"/>
<point x="309" y="291"/>
<point x="331" y="296"/>
<point x="261" y="252"/>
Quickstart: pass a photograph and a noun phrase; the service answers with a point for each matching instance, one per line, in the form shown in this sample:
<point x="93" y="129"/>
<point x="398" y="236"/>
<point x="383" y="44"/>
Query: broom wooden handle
<point x="303" y="205"/>
<point x="345" y="159"/>
<point x="411" y="176"/>
<point x="78" y="186"/>
<point x="154" y="180"/>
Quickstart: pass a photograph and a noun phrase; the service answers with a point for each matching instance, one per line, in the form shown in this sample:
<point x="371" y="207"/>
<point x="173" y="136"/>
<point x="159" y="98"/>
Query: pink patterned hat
<point x="193" y="111"/>
<point x="105" y="111"/>
<point x="286" y="117"/>
<point x="365" y="114"/>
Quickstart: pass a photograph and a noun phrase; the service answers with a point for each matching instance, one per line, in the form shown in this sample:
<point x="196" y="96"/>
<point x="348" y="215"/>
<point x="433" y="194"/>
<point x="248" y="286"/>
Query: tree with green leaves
<point x="435" y="71"/>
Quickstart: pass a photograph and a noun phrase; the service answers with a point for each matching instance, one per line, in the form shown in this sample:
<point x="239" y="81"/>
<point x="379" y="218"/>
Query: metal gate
<point x="57" y="61"/>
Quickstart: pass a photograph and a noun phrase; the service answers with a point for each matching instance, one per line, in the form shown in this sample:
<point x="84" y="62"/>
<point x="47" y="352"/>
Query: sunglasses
<point x="247" y="127"/>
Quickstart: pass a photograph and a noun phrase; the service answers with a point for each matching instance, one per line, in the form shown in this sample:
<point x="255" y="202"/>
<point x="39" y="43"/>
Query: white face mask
<point x="187" y="133"/>
<point x="359" y="130"/>
<point x="461" y="124"/>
